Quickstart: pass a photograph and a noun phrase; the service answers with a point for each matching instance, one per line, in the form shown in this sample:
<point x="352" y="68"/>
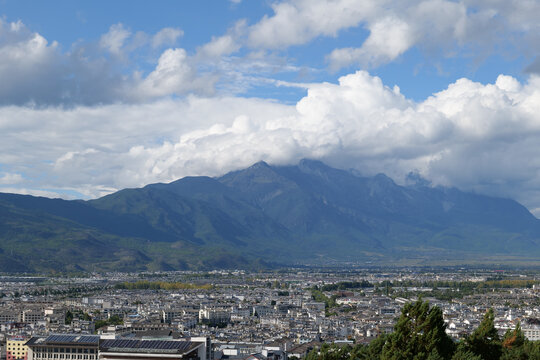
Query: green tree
<point x="330" y="352"/>
<point x="418" y="335"/>
<point x="514" y="338"/>
<point x="513" y="345"/>
<point x="463" y="353"/>
<point x="115" y="320"/>
<point x="485" y="341"/>
<point x="532" y="349"/>
<point x="374" y="350"/>
<point x="69" y="317"/>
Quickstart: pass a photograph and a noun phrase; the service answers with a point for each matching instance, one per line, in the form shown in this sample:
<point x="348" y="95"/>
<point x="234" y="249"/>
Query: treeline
<point x="419" y="334"/>
<point x="506" y="284"/>
<point x="449" y="290"/>
<point x="464" y="285"/>
<point x="346" y="285"/>
<point x="160" y="285"/>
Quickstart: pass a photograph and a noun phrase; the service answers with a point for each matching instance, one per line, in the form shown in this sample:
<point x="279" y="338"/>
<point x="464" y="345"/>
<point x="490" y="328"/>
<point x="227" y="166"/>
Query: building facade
<point x="16" y="348"/>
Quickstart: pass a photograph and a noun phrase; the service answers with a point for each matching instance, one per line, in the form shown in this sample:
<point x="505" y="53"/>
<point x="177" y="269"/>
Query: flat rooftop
<point x="157" y="346"/>
<point x="80" y="340"/>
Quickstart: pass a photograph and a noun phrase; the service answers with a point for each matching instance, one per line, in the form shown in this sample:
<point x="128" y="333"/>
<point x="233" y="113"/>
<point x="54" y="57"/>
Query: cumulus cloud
<point x="173" y="75"/>
<point x="433" y="25"/>
<point x="480" y="137"/>
<point x="389" y="38"/>
<point x="114" y="39"/>
<point x="36" y="72"/>
<point x="222" y="46"/>
<point x="166" y="36"/>
<point x="39" y="72"/>
<point x="438" y="27"/>
<point x="219" y="46"/>
<point x="69" y="149"/>
<point x="297" y="22"/>
<point x="23" y="57"/>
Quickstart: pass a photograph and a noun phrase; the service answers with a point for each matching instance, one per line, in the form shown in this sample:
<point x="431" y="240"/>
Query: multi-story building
<point x="32" y="316"/>
<point x="214" y="316"/>
<point x="130" y="349"/>
<point x="531" y="329"/>
<point x="167" y="315"/>
<point x="16" y="348"/>
<point x="63" y="347"/>
<point x="91" y="347"/>
<point x="7" y="316"/>
<point x="532" y="334"/>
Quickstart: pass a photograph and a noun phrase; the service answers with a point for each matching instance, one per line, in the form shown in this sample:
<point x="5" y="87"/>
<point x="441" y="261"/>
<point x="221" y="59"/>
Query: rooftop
<point x="163" y="346"/>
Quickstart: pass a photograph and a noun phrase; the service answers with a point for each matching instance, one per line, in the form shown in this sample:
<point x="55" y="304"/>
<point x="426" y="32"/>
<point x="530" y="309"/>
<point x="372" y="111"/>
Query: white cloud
<point x="481" y="137"/>
<point x="119" y="40"/>
<point x="24" y="56"/>
<point x="115" y="39"/>
<point x="166" y="36"/>
<point x="394" y="27"/>
<point x="173" y="75"/>
<point x="389" y="38"/>
<point x="36" y="72"/>
<point x="10" y="179"/>
<point x="433" y="25"/>
<point x="297" y="22"/>
<point x="218" y="46"/>
<point x="438" y="27"/>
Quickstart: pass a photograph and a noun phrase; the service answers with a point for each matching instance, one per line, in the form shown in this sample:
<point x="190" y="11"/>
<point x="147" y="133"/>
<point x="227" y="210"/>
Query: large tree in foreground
<point x="419" y="335"/>
<point x="485" y="341"/>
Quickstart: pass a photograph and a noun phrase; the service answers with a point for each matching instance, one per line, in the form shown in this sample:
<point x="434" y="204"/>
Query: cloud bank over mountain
<point x="473" y="136"/>
<point x="131" y="107"/>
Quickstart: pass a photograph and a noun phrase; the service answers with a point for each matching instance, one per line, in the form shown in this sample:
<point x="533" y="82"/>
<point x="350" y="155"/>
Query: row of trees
<point x="347" y="285"/>
<point x="160" y="285"/>
<point x="449" y="290"/>
<point x="419" y="334"/>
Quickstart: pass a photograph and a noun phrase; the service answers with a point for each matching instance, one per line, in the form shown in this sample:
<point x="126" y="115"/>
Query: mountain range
<point x="265" y="216"/>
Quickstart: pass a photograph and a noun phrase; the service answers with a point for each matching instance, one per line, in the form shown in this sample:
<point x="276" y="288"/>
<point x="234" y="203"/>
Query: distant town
<point x="240" y="315"/>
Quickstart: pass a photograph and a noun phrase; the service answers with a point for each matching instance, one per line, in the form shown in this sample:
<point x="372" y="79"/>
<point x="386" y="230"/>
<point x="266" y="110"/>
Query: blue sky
<point x="97" y="96"/>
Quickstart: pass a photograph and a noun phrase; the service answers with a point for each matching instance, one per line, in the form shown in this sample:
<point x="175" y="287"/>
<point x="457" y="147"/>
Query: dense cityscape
<point x="270" y="315"/>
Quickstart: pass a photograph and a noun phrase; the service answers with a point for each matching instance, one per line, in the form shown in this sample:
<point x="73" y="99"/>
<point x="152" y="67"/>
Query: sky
<point x="96" y="96"/>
